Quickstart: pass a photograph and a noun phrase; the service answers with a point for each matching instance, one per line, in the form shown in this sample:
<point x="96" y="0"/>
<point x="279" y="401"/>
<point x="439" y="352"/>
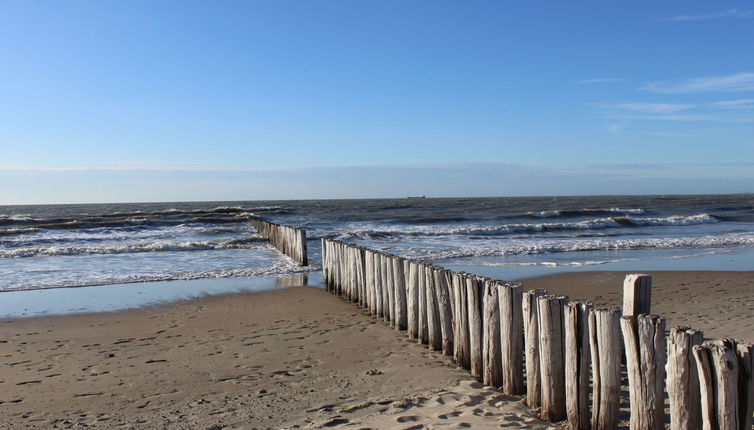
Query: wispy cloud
<point x="735" y="104"/>
<point x="730" y="13"/>
<point x="114" y="166"/>
<point x="722" y="112"/>
<point x="666" y="134"/>
<point x="600" y="80"/>
<point x="660" y="108"/>
<point x="726" y="83"/>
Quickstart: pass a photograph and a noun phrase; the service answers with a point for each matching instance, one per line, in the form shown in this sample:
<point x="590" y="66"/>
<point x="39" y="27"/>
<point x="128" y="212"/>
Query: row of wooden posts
<point x="291" y="241"/>
<point x="564" y="356"/>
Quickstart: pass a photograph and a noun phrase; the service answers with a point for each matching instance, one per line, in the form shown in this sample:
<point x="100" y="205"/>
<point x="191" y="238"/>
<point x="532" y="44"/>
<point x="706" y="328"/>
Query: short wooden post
<point x="493" y="372"/>
<point x="606" y="349"/>
<point x="444" y="307"/>
<point x="577" y="358"/>
<point x="683" y="379"/>
<point x="531" y="340"/>
<point x="637" y="294"/>
<point x="474" y="291"/>
<point x="552" y="356"/>
<point x="646" y="350"/>
<point x="461" y="345"/>
<point x="510" y="299"/>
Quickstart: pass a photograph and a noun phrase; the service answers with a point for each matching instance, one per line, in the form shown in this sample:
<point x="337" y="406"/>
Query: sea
<point x="132" y="254"/>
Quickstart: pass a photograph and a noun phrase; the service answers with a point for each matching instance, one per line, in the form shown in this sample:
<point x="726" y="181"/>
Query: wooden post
<point x="606" y="351"/>
<point x="379" y="286"/>
<point x="531" y="339"/>
<point x="412" y="282"/>
<point x="444" y="305"/>
<point x="461" y="345"/>
<point x="577" y="358"/>
<point x="510" y="299"/>
<point x="683" y="379"/>
<point x="433" y="310"/>
<point x="637" y="294"/>
<point x="423" y="326"/>
<point x="551" y="356"/>
<point x="474" y="293"/>
<point x="725" y="384"/>
<point x="493" y="372"/>
<point x="646" y="350"/>
<point x="399" y="278"/>
<point x="745" y="352"/>
<point x="389" y="287"/>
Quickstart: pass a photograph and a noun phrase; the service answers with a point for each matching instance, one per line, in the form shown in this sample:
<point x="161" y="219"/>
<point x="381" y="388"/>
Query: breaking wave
<point x="245" y="243"/>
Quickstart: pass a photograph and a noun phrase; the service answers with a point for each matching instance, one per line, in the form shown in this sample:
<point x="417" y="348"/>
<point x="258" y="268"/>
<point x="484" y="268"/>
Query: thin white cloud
<point x="600" y="80"/>
<point x="730" y="13"/>
<point x="616" y="127"/>
<point x="659" y="108"/>
<point x="735" y="104"/>
<point x="666" y="134"/>
<point x="726" y="83"/>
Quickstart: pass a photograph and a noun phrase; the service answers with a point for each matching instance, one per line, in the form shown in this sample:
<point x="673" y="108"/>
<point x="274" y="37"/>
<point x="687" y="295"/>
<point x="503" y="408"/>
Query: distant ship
<point x="416" y="197"/>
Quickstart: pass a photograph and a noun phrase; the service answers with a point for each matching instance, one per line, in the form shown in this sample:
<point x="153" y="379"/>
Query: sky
<point x="105" y="101"/>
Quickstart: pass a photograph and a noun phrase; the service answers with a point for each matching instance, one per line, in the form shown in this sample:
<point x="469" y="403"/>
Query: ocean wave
<point x="543" y="246"/>
<point x="268" y="270"/>
<point x="531" y="228"/>
<point x="244" y="243"/>
<point x="582" y="212"/>
<point x="131" y="222"/>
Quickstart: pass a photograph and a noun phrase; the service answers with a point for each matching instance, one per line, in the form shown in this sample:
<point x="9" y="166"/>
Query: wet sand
<point x="292" y="358"/>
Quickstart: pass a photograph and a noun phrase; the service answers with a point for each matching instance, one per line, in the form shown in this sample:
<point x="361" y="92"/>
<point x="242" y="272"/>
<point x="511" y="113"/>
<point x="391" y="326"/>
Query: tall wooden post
<point x="577" y="358"/>
<point x="646" y="350"/>
<point x="552" y="356"/>
<point x="531" y="339"/>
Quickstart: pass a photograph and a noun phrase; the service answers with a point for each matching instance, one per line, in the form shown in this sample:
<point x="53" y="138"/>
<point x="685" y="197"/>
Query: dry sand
<point x="292" y="358"/>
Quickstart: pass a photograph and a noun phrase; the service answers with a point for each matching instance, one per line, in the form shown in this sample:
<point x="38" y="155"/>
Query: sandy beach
<point x="292" y="358"/>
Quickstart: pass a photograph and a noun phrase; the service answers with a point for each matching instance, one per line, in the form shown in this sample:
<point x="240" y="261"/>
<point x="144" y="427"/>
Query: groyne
<point x="565" y="357"/>
<point x="291" y="241"/>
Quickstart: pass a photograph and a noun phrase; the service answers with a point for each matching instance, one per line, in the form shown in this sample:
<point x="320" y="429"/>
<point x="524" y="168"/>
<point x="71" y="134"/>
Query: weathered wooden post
<point x="637" y="295"/>
<point x="551" y="356"/>
<point x="606" y="348"/>
<point x="646" y="350"/>
<point x="444" y="307"/>
<point x="683" y="379"/>
<point x="531" y="339"/>
<point x="423" y="325"/>
<point x="379" y="286"/>
<point x="493" y="372"/>
<point x="726" y="386"/>
<point x="577" y="358"/>
<point x="433" y="311"/>
<point x="412" y="281"/>
<point x="390" y="288"/>
<point x="461" y="345"/>
<point x="401" y="320"/>
<point x="474" y="291"/>
<point x="510" y="299"/>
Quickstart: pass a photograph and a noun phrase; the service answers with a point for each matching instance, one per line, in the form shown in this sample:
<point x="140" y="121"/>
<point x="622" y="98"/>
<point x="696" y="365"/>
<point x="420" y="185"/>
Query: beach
<point x="292" y="358"/>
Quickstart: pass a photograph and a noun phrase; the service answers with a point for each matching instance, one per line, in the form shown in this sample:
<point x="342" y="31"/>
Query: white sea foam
<point x="131" y="248"/>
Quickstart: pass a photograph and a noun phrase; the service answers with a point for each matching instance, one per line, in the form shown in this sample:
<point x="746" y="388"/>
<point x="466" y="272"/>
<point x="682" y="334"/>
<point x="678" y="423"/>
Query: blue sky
<point x="162" y="101"/>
